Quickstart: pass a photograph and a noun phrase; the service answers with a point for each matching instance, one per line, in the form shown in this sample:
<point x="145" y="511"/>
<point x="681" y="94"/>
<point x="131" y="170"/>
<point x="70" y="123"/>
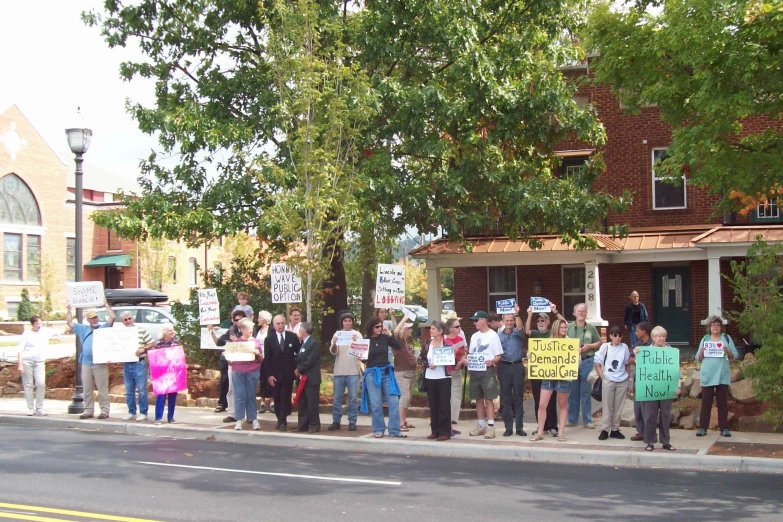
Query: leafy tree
<point x="757" y="285"/>
<point x="26" y="309"/>
<point x="710" y="66"/>
<point x="153" y="259"/>
<point x="46" y="285"/>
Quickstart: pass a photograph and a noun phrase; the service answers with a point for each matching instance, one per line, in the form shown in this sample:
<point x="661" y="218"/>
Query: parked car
<point x="448" y="311"/>
<point x="421" y="312"/>
<point x="142" y="303"/>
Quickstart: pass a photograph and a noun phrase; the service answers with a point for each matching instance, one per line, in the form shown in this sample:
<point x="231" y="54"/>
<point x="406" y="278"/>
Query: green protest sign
<point x="657" y="373"/>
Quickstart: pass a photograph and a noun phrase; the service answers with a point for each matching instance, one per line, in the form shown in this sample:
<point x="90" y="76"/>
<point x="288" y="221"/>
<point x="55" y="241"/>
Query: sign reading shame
<point x="390" y="286"/>
<point x="286" y="284"/>
<point x="657" y="373"/>
<point x="85" y="294"/>
<point x="553" y="359"/>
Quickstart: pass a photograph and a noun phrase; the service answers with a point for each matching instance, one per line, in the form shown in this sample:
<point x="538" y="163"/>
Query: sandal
<point x="561" y="437"/>
<point x="404" y="427"/>
<point x="669" y="447"/>
<point x="649" y="447"/>
<point x="536" y="437"/>
<point x="400" y="436"/>
<point x="378" y="435"/>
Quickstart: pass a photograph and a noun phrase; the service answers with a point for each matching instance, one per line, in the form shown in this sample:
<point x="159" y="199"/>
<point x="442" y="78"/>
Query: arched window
<point x="17" y="203"/>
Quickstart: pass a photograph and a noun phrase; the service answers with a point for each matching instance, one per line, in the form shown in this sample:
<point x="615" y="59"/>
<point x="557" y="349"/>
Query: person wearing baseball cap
<point x="346" y="372"/>
<point x="483" y="382"/>
<point x="93" y="375"/>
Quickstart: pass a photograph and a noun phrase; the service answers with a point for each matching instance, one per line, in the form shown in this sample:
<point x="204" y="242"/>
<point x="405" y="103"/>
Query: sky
<point x="52" y="63"/>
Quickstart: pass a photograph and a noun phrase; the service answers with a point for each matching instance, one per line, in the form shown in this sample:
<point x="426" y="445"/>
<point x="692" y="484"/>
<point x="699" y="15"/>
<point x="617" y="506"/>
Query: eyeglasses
<point x="616" y="335"/>
<point x="127" y="319"/>
<point x="378" y="326"/>
<point x="455" y="326"/>
<point x="540" y="320"/>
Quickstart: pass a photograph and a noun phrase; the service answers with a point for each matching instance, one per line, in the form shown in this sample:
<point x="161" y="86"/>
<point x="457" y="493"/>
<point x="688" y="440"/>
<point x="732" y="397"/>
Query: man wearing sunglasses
<point x="134" y="374"/>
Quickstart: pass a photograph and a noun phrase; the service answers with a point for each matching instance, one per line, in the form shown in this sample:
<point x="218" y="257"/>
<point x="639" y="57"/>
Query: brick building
<point x="37" y="215"/>
<point x="676" y="255"/>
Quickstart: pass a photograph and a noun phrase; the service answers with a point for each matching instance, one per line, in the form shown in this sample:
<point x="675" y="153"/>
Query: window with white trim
<point x="12" y="257"/>
<point x="768" y="209"/>
<point x="665" y="194"/>
<point x="573" y="289"/>
<point x="70" y="259"/>
<point x="502" y="284"/>
<point x="192" y="272"/>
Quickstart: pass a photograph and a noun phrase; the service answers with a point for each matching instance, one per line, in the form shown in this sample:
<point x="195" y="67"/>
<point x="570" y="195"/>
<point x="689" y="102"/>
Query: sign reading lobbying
<point x="556" y="359"/>
<point x="390" y="286"/>
<point x="657" y="373"/>
<point x="286" y="284"/>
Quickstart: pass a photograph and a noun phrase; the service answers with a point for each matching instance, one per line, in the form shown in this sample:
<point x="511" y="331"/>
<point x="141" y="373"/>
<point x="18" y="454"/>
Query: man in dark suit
<point x="309" y="365"/>
<point x="280" y="351"/>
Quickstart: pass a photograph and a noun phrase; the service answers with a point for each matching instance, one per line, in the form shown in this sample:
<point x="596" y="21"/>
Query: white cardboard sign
<point x="243" y="351"/>
<point x="540" y="305"/>
<point x="286" y="284"/>
<point x="390" y="286"/>
<point x="207" y="343"/>
<point x="85" y="294"/>
<point x="443" y="356"/>
<point x="115" y="345"/>
<point x="505" y="306"/>
<point x="360" y="349"/>
<point x="477" y="363"/>
<point x="208" y="307"/>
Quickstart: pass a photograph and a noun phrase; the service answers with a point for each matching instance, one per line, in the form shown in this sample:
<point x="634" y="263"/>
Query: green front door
<point x="672" y="286"/>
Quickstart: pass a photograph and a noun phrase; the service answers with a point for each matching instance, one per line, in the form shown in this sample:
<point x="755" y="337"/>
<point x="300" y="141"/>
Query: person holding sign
<point x="542" y="331"/>
<point x="264" y="326"/>
<point x="31" y="364"/>
<point x="405" y="370"/>
<point x="226" y="390"/>
<point x="512" y="372"/>
<point x="483" y="356"/>
<point x="134" y="374"/>
<point x="438" y="376"/>
<point x="346" y="372"/>
<point x="457" y="338"/>
<point x="589" y="341"/>
<point x="550" y="386"/>
<point x="611" y="363"/>
<point x="92" y="374"/>
<point x="657" y="411"/>
<point x="244" y="379"/>
<point x="167" y="340"/>
<point x="716" y="349"/>
<point x="380" y="384"/>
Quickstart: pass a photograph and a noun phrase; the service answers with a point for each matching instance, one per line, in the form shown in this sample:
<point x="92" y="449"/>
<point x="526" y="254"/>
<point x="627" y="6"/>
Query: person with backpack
<point x="715" y="375"/>
<point x="611" y="363"/>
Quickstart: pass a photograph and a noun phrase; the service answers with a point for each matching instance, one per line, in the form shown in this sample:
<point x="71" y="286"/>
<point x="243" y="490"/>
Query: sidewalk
<point x="582" y="446"/>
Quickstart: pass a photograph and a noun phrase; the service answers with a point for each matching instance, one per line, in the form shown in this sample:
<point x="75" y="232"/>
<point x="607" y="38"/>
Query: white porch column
<point x="714" y="299"/>
<point x="593" y="295"/>
<point x="434" y="294"/>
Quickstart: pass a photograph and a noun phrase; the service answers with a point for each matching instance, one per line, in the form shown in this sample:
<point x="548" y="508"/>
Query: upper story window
<point x="172" y="269"/>
<point x="113" y="241"/>
<point x="502" y="284"/>
<point x="665" y="194"/>
<point x="12" y="257"/>
<point x="192" y="272"/>
<point x="17" y="203"/>
<point x="767" y="212"/>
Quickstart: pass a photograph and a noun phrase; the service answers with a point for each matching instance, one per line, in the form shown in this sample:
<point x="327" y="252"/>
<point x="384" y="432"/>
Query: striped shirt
<point x="144" y="339"/>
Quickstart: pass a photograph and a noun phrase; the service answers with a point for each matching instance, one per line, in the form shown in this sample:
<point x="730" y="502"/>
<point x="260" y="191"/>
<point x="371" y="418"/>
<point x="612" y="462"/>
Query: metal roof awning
<point x="110" y="260"/>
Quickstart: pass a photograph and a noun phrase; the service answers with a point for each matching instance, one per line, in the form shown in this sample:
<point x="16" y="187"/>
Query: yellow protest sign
<point x="556" y="359"/>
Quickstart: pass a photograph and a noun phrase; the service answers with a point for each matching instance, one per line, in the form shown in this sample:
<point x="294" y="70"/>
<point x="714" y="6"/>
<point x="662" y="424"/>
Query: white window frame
<point x="655" y="178"/>
<point x="563" y="292"/>
<point x="192" y="272"/>
<point x="762" y="210"/>
<point x="490" y="302"/>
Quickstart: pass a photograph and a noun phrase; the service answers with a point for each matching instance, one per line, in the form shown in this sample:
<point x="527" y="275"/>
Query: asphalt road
<point x="117" y="475"/>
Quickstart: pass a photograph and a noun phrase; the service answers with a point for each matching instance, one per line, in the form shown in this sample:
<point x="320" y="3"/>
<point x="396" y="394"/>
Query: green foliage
<point x="26" y="308"/>
<point x="707" y="65"/>
<point x="757" y="285"/>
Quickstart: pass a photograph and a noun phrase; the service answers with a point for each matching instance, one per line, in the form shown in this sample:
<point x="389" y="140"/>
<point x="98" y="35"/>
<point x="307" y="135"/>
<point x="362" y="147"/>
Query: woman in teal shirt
<point x="715" y="376"/>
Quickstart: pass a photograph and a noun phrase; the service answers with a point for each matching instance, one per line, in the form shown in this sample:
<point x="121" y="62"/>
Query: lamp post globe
<point x="79" y="139"/>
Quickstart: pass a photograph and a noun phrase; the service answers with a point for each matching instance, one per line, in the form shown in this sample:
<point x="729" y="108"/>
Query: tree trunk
<point x="367" y="253"/>
<point x="335" y="292"/>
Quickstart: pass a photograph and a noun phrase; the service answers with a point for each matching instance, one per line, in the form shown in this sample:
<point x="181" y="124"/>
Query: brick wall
<point x="617" y="283"/>
<point x="470" y="294"/>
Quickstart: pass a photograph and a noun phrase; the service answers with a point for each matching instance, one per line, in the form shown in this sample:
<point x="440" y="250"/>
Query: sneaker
<point x="30" y="413"/>
<point x="478" y="431"/>
<point x="40" y="413"/>
<point x="590" y="426"/>
<point x="262" y="409"/>
<point x="702" y="432"/>
<point x="103" y="416"/>
<point x="272" y="408"/>
<point x="129" y="416"/>
<point x="603" y="435"/>
<point x="571" y="424"/>
<point x="141" y="417"/>
<point x="158" y="422"/>
<point x="553" y="432"/>
<point x="490" y="432"/>
<point x="725" y="432"/>
<point x="334" y="426"/>
<point x="172" y="421"/>
<point x="256" y="425"/>
<point x="352" y="427"/>
<point x="238" y="426"/>
<point x="615" y="434"/>
<point x="86" y="415"/>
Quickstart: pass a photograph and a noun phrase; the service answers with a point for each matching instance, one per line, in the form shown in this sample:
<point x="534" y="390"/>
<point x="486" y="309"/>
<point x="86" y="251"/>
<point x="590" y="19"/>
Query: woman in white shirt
<point x="611" y="363"/>
<point x="438" y="379"/>
<point x="32" y="364"/>
<point x="264" y="320"/>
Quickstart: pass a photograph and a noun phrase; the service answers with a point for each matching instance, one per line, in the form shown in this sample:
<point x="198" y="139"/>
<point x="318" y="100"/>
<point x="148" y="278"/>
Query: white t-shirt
<point x="261" y="335"/>
<point x="486" y="344"/>
<point x="440" y="371"/>
<point x="613" y="359"/>
<point x="295" y="329"/>
<point x="32" y="344"/>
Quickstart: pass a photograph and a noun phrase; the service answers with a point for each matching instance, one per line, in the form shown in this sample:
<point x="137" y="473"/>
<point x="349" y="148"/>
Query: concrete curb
<point x="387" y="445"/>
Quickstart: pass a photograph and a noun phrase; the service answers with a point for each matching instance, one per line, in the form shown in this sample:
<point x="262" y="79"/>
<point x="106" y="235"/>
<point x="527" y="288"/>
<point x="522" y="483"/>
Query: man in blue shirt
<point x="512" y="372"/>
<point x="92" y="374"/>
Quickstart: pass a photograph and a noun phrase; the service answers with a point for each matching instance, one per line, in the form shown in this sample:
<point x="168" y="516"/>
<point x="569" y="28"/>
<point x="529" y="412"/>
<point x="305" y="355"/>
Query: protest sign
<point x="207" y="343"/>
<point x="505" y="306"/>
<point x="344" y="338"/>
<point x="242" y="351"/>
<point x="168" y="370"/>
<point x="85" y="294"/>
<point x="540" y="305"/>
<point x="208" y="308"/>
<point x="712" y="349"/>
<point x="390" y="286"/>
<point x="115" y="345"/>
<point x="553" y="359"/>
<point x="360" y="349"/>
<point x="477" y="363"/>
<point x="443" y="356"/>
<point x="657" y="373"/>
<point x="286" y="284"/>
<point x="410" y="314"/>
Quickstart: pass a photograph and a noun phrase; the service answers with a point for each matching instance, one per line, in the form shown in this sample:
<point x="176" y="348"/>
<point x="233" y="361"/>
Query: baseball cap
<point x="479" y="315"/>
<point x="408" y="325"/>
<point x="543" y="315"/>
<point x="91" y="314"/>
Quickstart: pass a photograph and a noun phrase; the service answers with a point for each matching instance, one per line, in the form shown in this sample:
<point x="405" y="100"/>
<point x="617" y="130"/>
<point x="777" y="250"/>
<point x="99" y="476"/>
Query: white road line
<point x="289" y="475"/>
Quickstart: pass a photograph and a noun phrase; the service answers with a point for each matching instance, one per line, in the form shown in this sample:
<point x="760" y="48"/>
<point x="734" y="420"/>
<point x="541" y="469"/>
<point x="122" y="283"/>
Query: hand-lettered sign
<point x="115" y="345"/>
<point x="657" y="373"/>
<point x="553" y="359"/>
<point x="713" y="349"/>
<point x="208" y="308"/>
<point x="286" y="284"/>
<point x="390" y="286"/>
<point x="85" y="294"/>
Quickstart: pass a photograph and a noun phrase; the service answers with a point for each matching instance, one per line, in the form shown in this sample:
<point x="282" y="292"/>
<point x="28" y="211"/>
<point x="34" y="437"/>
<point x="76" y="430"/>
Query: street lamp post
<point x="79" y="140"/>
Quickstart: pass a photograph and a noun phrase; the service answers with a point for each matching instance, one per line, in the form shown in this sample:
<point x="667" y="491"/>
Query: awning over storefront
<point x="110" y="260"/>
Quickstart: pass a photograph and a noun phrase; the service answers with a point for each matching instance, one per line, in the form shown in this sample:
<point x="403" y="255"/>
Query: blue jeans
<point x="376" y="395"/>
<point x="579" y="396"/>
<point x="160" y="403"/>
<point x="341" y="382"/>
<point x="632" y="333"/>
<point x="134" y="374"/>
<point x="244" y="385"/>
